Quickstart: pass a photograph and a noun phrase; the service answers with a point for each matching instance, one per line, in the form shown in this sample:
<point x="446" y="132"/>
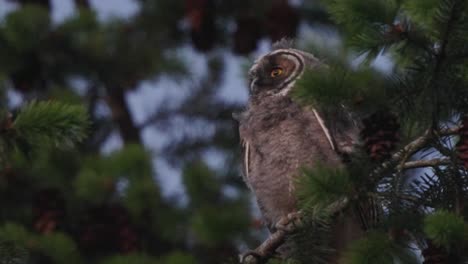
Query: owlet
<point x="279" y="136"/>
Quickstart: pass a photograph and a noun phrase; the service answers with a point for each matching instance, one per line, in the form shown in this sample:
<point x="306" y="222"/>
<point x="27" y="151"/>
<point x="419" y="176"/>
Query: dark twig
<point x="267" y="249"/>
<point x="122" y="116"/>
<point x="424" y="163"/>
<point x="406" y="152"/>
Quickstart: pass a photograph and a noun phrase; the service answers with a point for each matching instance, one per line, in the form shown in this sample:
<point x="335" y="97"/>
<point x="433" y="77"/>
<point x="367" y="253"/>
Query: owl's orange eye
<point x="276" y="72"/>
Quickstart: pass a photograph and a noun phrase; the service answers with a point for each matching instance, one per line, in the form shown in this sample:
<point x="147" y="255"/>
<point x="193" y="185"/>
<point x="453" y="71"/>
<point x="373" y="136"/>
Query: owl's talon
<point x="246" y="257"/>
<point x="289" y="222"/>
<point x="295" y="218"/>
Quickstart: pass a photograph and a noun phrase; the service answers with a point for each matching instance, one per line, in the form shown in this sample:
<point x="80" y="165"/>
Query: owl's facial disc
<point x="276" y="72"/>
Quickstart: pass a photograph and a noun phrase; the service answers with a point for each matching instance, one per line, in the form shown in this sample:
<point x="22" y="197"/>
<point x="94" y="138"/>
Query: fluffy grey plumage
<point x="279" y="136"/>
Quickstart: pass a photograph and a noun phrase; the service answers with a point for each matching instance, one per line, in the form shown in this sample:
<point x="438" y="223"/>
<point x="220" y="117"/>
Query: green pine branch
<point x="377" y="247"/>
<point x="356" y="14"/>
<point x="446" y="229"/>
<point x="51" y="123"/>
<point x="60" y="247"/>
<point x="321" y="188"/>
<point x="339" y="84"/>
<point x="12" y="253"/>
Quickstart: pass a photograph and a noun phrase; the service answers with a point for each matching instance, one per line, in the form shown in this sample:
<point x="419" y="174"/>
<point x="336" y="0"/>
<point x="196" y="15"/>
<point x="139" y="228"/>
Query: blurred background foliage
<point x="69" y="193"/>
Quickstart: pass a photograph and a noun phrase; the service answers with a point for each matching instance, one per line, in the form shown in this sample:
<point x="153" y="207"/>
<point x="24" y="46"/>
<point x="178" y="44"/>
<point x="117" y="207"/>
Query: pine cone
<point x="49" y="210"/>
<point x="7" y="123"/>
<point x="462" y="145"/>
<point x="201" y="16"/>
<point x="380" y="135"/>
<point x="108" y="229"/>
<point x="128" y="239"/>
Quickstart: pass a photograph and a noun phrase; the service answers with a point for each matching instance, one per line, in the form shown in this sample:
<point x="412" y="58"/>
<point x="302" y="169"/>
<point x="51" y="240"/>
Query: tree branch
<point x="268" y="248"/>
<point x="424" y="163"/>
<point x="121" y="114"/>
<point x="448" y="131"/>
<point x="403" y="154"/>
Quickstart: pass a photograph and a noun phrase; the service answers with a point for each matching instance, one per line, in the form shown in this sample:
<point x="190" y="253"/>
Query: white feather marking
<point x="286" y="90"/>
<point x="280" y="50"/>
<point x="246" y="158"/>
<point x="253" y="83"/>
<point x="324" y="128"/>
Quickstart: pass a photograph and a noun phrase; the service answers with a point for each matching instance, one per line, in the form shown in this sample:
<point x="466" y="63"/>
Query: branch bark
<point x="424" y="163"/>
<point x="406" y="152"/>
<point x="268" y="248"/>
<point x="121" y="114"/>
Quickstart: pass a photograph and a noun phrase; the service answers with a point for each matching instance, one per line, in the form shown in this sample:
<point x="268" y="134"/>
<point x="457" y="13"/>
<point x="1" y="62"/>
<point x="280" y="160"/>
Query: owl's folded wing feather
<point x="343" y="135"/>
<point x="245" y="146"/>
<point x="325" y="129"/>
<point x="342" y="130"/>
<point x="245" y="150"/>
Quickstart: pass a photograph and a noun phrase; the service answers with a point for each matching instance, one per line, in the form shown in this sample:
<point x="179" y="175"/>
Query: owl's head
<point x="276" y="72"/>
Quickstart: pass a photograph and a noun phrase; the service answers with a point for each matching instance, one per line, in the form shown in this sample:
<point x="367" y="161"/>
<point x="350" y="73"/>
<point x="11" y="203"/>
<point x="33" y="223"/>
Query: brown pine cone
<point x="462" y="145"/>
<point x="49" y="210"/>
<point x="380" y="134"/>
<point x="201" y="17"/>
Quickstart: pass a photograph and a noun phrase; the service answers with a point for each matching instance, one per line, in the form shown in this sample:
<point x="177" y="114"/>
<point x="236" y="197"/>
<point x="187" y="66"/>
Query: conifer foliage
<point x="412" y="157"/>
<point x="39" y="124"/>
<point x="66" y="199"/>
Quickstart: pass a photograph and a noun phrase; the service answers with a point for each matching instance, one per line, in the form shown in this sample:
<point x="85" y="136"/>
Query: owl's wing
<point x="245" y="149"/>
<point x="341" y="130"/>
<point x="240" y="117"/>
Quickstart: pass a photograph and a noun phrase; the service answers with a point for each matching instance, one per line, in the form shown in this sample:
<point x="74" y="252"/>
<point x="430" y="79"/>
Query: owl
<point x="280" y="136"/>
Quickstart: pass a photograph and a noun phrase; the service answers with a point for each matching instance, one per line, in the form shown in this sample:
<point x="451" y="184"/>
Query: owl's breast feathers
<point x="278" y="138"/>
